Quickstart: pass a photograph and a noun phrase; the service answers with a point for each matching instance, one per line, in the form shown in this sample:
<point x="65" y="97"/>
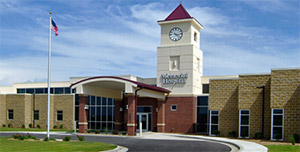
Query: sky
<point x="120" y="37"/>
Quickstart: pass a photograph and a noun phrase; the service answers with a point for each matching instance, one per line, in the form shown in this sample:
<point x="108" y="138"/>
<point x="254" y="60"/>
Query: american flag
<point x="54" y="27"/>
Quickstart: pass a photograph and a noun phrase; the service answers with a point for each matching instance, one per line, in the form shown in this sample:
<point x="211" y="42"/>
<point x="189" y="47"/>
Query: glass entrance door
<point x="143" y="118"/>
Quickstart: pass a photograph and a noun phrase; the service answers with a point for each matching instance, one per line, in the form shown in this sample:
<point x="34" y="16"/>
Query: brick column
<point x="118" y="115"/>
<point x="131" y="130"/>
<point x="83" y="114"/>
<point x="161" y="115"/>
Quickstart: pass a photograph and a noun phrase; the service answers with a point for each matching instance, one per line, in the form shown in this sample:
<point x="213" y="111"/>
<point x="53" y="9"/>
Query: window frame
<point x="172" y="107"/>
<point x="272" y="125"/>
<point x="62" y="115"/>
<point x="240" y="125"/>
<point x="210" y="118"/>
<point x="8" y="114"/>
<point x="34" y="114"/>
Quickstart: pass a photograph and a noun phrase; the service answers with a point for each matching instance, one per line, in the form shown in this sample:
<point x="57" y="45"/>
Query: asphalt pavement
<point x="140" y="144"/>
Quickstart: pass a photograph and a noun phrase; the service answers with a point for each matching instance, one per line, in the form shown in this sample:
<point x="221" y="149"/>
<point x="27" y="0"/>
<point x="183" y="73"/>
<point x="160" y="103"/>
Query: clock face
<point x="175" y="34"/>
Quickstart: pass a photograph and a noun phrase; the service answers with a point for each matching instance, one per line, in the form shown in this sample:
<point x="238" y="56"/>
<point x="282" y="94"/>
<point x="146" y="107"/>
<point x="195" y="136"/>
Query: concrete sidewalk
<point x="235" y="144"/>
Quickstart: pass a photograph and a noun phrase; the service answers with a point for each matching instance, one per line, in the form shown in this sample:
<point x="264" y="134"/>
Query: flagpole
<point x="49" y="62"/>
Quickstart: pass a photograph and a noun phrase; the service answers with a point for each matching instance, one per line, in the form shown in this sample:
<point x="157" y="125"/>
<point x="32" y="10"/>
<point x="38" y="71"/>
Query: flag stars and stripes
<point x="54" y="27"/>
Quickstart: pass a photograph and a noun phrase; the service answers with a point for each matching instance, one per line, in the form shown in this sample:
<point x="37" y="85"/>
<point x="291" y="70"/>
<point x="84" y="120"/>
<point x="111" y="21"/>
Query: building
<point x="180" y="99"/>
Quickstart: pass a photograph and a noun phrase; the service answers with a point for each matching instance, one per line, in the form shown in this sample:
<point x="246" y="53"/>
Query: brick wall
<point x="250" y="98"/>
<point x="184" y="119"/>
<point x="285" y="93"/>
<point x="223" y="97"/>
<point x="64" y="103"/>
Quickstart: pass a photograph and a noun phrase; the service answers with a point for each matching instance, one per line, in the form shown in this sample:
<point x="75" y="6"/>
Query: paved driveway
<point x="139" y="144"/>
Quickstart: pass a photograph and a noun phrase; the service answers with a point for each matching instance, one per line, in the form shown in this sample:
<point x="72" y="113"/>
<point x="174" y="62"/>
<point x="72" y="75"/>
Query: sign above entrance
<point x="174" y="79"/>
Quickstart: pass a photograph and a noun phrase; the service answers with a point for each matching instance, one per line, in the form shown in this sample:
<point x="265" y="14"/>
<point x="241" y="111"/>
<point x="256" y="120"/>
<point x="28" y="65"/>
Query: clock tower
<point x="179" y="58"/>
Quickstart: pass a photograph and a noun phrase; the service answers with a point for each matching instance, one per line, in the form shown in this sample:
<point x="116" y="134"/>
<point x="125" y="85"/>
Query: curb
<point x="118" y="149"/>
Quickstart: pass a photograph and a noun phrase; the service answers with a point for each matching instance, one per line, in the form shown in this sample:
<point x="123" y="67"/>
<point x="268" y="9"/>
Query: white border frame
<point x="172" y="106"/>
<point x="244" y="125"/>
<point x="277" y="126"/>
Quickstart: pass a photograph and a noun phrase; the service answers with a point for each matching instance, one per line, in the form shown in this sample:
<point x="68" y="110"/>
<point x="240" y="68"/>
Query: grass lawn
<point x="33" y="129"/>
<point x="57" y="146"/>
<point x="283" y="148"/>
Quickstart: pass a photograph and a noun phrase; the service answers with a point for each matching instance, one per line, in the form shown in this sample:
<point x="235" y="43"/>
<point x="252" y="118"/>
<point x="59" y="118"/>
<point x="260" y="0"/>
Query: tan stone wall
<point x="223" y="97"/>
<point x="41" y="105"/>
<point x="64" y="103"/>
<point x="250" y="98"/>
<point x="28" y="110"/>
<point x="285" y="93"/>
<point x="3" y="112"/>
<point x="17" y="102"/>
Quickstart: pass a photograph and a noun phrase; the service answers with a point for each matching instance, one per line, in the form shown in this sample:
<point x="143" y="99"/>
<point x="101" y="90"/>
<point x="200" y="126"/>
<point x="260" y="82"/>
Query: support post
<point x="131" y="121"/>
<point x="83" y="114"/>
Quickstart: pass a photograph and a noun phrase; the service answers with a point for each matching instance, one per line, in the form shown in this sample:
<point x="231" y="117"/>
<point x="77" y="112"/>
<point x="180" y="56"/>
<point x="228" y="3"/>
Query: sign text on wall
<point x="174" y="79"/>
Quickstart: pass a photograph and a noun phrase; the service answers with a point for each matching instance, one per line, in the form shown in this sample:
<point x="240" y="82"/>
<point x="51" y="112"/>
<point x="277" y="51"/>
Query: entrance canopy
<point x="113" y="87"/>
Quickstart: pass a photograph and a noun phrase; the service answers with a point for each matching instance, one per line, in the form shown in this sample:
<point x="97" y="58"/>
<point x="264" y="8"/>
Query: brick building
<point x="180" y="99"/>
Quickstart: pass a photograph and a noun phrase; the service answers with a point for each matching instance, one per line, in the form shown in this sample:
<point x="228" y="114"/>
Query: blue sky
<point x="107" y="37"/>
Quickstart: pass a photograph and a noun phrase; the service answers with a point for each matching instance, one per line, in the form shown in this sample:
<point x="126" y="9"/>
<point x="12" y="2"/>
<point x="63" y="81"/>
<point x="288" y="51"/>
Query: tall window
<point x="202" y="115"/>
<point x="101" y="113"/>
<point x="10" y="114"/>
<point x="277" y="123"/>
<point x="205" y="88"/>
<point x="244" y="123"/>
<point x="214" y="122"/>
<point x="36" y="115"/>
<point x="174" y="63"/>
<point x="59" y="115"/>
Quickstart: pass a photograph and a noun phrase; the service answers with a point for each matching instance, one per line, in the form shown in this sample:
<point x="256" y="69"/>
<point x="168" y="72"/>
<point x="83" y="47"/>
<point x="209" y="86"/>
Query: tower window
<point x="195" y="36"/>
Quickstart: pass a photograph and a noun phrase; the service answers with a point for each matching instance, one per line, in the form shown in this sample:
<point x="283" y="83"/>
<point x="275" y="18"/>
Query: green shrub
<point x="38" y="126"/>
<point x="232" y="134"/>
<point x="22" y="137"/>
<point x="23" y="126"/>
<point x="46" y="139"/>
<point x="67" y="138"/>
<point x="61" y="126"/>
<point x="106" y="131"/>
<point x="30" y="125"/>
<point x="9" y="125"/>
<point x="28" y="135"/>
<point x="297" y="138"/>
<point x="216" y="132"/>
<point x="17" y="136"/>
<point x="97" y="132"/>
<point x="88" y="131"/>
<point x="3" y="125"/>
<point x="115" y="132"/>
<point x="54" y="127"/>
<point x="33" y="137"/>
<point x="124" y="133"/>
<point x="258" y="135"/>
<point x="292" y="139"/>
<point x="80" y="138"/>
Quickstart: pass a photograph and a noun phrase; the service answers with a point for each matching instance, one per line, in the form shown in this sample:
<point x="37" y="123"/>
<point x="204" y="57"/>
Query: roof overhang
<point x="193" y="20"/>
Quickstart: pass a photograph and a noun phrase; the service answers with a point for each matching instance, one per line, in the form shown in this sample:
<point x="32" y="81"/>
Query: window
<point x="59" y="90"/>
<point x="195" y="36"/>
<point x="198" y="65"/>
<point x="202" y="125"/>
<point x="20" y="90"/>
<point x="173" y="107"/>
<point x="244" y="123"/>
<point x="10" y="114"/>
<point x="205" y="88"/>
<point x="214" y="122"/>
<point x="30" y="91"/>
<point x="36" y="115"/>
<point x="101" y="113"/>
<point x="39" y="90"/>
<point x="59" y="115"/>
<point x="277" y="123"/>
<point x="174" y="63"/>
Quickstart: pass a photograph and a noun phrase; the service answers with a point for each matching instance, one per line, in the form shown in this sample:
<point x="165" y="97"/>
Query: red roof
<point x="178" y="13"/>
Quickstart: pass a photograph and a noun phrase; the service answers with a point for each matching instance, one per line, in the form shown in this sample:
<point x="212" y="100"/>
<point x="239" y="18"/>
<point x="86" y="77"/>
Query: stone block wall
<point x="285" y="94"/>
<point x="250" y="98"/>
<point x="223" y="97"/>
<point x="3" y="111"/>
<point x="25" y="104"/>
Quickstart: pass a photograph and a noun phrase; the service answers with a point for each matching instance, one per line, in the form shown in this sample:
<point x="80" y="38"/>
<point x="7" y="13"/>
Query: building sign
<point x="174" y="79"/>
